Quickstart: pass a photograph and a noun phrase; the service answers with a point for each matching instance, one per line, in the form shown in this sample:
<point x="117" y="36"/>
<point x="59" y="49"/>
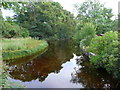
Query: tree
<point x="12" y="30"/>
<point x="46" y="20"/>
<point x="96" y="13"/>
<point x="85" y="34"/>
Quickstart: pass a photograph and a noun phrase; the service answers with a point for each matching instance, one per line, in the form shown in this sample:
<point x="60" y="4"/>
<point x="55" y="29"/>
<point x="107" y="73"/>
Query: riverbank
<point x="20" y="47"/>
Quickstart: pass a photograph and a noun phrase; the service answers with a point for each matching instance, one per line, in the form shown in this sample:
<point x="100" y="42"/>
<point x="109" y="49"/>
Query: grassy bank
<point x="21" y="47"/>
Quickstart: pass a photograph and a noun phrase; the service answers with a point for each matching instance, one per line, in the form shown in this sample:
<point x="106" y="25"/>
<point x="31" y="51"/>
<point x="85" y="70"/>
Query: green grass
<point x="20" y="47"/>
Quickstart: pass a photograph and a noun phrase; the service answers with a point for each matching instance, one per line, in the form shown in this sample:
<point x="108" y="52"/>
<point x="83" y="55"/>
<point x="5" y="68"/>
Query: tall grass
<point x="18" y="44"/>
<point x="20" y="47"/>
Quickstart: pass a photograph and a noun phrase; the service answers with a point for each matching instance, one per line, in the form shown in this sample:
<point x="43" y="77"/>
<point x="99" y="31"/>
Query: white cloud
<point x="6" y="13"/>
<point x="68" y="4"/>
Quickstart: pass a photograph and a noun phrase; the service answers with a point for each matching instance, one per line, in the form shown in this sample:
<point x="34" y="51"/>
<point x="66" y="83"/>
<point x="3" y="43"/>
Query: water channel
<point x="58" y="68"/>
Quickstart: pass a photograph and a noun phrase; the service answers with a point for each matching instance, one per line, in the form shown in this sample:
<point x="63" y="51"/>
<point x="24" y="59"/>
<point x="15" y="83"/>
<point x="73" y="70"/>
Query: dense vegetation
<point x="93" y="20"/>
<point x="106" y="50"/>
<point x="96" y="13"/>
<point x="44" y="19"/>
<point x="12" y="30"/>
<point x="48" y="21"/>
<point x="85" y="34"/>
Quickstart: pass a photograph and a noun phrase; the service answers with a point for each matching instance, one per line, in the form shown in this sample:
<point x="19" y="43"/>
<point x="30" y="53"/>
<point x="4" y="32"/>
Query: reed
<point x="21" y="47"/>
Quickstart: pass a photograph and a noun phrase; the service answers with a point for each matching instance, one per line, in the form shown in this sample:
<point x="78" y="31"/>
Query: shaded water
<point x="57" y="68"/>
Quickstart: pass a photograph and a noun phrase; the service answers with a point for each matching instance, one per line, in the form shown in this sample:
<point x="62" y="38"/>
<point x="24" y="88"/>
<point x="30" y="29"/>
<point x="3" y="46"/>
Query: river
<point x="59" y="68"/>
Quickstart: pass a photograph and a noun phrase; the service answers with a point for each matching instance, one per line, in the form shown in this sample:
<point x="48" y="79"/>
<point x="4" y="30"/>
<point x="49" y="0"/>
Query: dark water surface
<point x="57" y="68"/>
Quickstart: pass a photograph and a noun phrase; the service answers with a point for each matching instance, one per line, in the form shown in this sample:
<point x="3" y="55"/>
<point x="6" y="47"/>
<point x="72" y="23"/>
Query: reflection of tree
<point x="5" y="82"/>
<point x="63" y="50"/>
<point x="92" y="78"/>
<point x="40" y="67"/>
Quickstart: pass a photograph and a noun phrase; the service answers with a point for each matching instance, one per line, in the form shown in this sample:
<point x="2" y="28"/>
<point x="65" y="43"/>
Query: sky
<point x="69" y="5"/>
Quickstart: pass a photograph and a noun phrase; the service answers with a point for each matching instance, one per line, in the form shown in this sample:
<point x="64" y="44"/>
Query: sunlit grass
<point x="20" y="47"/>
<point x="18" y="44"/>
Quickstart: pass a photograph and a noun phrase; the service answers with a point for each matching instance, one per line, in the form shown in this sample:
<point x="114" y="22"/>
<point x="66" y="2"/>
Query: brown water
<point x="57" y="68"/>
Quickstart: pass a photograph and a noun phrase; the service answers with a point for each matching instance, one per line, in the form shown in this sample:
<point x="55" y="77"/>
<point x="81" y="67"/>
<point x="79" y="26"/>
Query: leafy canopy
<point x="85" y="34"/>
<point x="96" y="13"/>
<point x="45" y="20"/>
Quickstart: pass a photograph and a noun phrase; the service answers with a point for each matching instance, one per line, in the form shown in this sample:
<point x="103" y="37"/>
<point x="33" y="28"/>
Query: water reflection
<point x="40" y="67"/>
<point x="90" y="77"/>
<point x="56" y="69"/>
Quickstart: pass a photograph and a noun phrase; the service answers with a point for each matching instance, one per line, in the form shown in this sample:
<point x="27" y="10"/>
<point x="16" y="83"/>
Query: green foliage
<point x="12" y="49"/>
<point x="12" y="30"/>
<point x="85" y="34"/>
<point x="46" y="20"/>
<point x="97" y="14"/>
<point x="106" y="50"/>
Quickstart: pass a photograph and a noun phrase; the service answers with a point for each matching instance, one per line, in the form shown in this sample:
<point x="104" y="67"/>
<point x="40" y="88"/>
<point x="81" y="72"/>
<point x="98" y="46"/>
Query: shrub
<point x="106" y="50"/>
<point x="12" y="30"/>
<point x="85" y="34"/>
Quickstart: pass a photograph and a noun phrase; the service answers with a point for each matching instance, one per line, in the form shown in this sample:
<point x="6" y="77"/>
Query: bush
<point x="85" y="34"/>
<point x="12" y="30"/>
<point x="106" y="50"/>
